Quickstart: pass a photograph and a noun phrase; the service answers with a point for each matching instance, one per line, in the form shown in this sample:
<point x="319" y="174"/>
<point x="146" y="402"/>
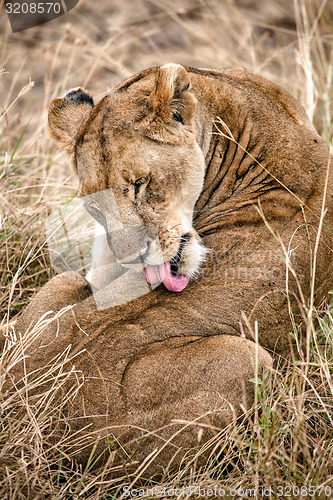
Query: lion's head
<point x="141" y="145"/>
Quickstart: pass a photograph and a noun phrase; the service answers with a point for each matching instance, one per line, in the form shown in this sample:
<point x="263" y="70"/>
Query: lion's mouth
<point x="174" y="262"/>
<point x="167" y="273"/>
<point x="162" y="274"/>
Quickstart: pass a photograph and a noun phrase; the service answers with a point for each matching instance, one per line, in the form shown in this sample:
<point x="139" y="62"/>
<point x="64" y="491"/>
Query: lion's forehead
<point x="129" y="156"/>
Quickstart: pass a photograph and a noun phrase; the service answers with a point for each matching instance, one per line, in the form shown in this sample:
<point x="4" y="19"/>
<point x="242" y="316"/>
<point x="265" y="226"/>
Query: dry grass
<point x="287" y="439"/>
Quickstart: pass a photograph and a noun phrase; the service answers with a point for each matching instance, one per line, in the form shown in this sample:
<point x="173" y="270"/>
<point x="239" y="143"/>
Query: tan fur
<point x="167" y="358"/>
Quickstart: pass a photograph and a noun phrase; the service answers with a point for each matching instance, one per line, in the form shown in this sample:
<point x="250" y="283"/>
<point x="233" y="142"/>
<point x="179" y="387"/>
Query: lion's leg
<point x="198" y="384"/>
<point x="63" y="290"/>
<point x="46" y="327"/>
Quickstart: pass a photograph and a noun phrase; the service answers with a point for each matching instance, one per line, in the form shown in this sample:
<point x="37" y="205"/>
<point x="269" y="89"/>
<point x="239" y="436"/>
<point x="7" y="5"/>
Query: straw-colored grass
<point x="286" y="440"/>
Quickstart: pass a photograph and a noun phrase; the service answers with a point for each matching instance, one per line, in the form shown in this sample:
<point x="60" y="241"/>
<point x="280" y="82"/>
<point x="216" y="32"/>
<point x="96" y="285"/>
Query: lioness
<point x="230" y="172"/>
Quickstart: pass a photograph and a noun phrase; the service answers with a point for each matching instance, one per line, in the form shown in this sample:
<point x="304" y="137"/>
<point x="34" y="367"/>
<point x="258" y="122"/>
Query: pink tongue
<point x="162" y="273"/>
<point x="155" y="274"/>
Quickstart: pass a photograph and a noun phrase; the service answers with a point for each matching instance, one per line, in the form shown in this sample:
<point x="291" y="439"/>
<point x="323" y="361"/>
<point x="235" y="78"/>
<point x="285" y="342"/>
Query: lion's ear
<point x="171" y="98"/>
<point x="67" y="115"/>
